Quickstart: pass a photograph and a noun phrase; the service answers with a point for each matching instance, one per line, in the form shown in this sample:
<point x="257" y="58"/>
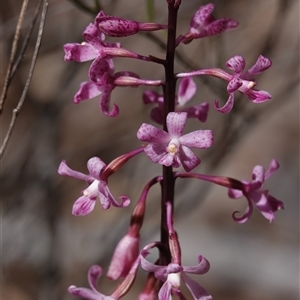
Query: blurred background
<point x="45" y="249"/>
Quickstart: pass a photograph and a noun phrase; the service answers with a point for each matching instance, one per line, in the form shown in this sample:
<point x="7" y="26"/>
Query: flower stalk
<point x="168" y="183"/>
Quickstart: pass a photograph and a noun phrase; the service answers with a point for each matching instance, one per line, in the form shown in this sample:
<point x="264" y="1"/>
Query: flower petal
<point x="98" y="68"/>
<point x="79" y="52"/>
<point x="94" y="274"/>
<point x="234" y="84"/>
<point x="274" y="165"/>
<point x="258" y="174"/>
<point x="275" y="204"/>
<point x="199" y="111"/>
<point x="157" y="115"/>
<point x="104" y="103"/>
<point x="85" y="293"/>
<point x="165" y="291"/>
<point x="187" y="89"/>
<point x="262" y="64"/>
<point x="125" y="201"/>
<point x="188" y="159"/>
<point x="176" y="123"/>
<point x="95" y="165"/>
<point x="246" y="215"/>
<point x="149" y="133"/>
<point x="227" y="107"/>
<point x="197" y="291"/>
<point x="65" y="170"/>
<point x="260" y="200"/>
<point x="170" y="160"/>
<point x="83" y="206"/>
<point x="257" y="96"/>
<point x="220" y="26"/>
<point x="107" y="199"/>
<point x="148" y="266"/>
<point x="93" y="36"/>
<point x="87" y="90"/>
<point x="201" y="268"/>
<point x="236" y="64"/>
<point x="155" y="151"/>
<point x="200" y="16"/>
<point x="200" y="139"/>
<point x="152" y="97"/>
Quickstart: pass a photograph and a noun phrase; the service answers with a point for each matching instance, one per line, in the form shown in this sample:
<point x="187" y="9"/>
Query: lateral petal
<point x="200" y="139"/>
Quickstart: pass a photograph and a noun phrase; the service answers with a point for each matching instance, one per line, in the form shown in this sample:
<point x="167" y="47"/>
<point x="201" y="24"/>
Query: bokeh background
<point x="45" y="249"/>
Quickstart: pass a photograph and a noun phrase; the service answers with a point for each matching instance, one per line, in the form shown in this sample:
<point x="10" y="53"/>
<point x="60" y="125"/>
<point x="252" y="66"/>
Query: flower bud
<point x="124" y="256"/>
<point x="119" y="27"/>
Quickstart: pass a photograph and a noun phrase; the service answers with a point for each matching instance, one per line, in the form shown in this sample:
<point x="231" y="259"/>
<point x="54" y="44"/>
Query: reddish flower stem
<point x="169" y="106"/>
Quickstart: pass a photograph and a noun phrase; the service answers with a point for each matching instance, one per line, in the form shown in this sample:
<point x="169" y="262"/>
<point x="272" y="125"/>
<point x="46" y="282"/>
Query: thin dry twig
<point x="30" y="73"/>
<point x="26" y="40"/>
<point x="12" y="54"/>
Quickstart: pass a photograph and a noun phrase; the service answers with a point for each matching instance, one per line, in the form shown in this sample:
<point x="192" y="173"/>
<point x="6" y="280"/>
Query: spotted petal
<point x="87" y="90"/>
<point x="149" y="133"/>
<point x="188" y="158"/>
<point x="95" y="165"/>
<point x="200" y="17"/>
<point x="219" y="26"/>
<point x="80" y="52"/>
<point x="237" y="64"/>
<point x="176" y="123"/>
<point x="98" y="68"/>
<point x="262" y="64"/>
<point x="200" y="139"/>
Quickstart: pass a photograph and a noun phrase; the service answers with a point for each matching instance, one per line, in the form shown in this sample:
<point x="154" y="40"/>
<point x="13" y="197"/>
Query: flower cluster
<point x="101" y="73"/>
<point x="167" y="146"/>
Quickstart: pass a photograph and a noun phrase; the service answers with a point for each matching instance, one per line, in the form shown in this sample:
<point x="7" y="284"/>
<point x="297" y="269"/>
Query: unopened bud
<point x="118" y="27"/>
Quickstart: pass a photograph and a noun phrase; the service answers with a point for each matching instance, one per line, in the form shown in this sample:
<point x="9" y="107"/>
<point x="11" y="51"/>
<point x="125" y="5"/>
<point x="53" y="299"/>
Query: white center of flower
<point x="92" y="190"/>
<point x="174" y="279"/>
<point x="172" y="148"/>
<point x="251" y="84"/>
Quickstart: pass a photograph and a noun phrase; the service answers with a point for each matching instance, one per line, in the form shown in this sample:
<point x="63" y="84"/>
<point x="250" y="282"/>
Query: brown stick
<point x="30" y="73"/>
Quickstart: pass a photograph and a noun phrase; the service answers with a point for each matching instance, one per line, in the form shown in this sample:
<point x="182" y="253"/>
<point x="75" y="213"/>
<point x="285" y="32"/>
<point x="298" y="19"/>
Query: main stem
<point x="169" y="106"/>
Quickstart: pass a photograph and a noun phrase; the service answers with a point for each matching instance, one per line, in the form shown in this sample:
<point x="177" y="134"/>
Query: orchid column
<point x="168" y="146"/>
